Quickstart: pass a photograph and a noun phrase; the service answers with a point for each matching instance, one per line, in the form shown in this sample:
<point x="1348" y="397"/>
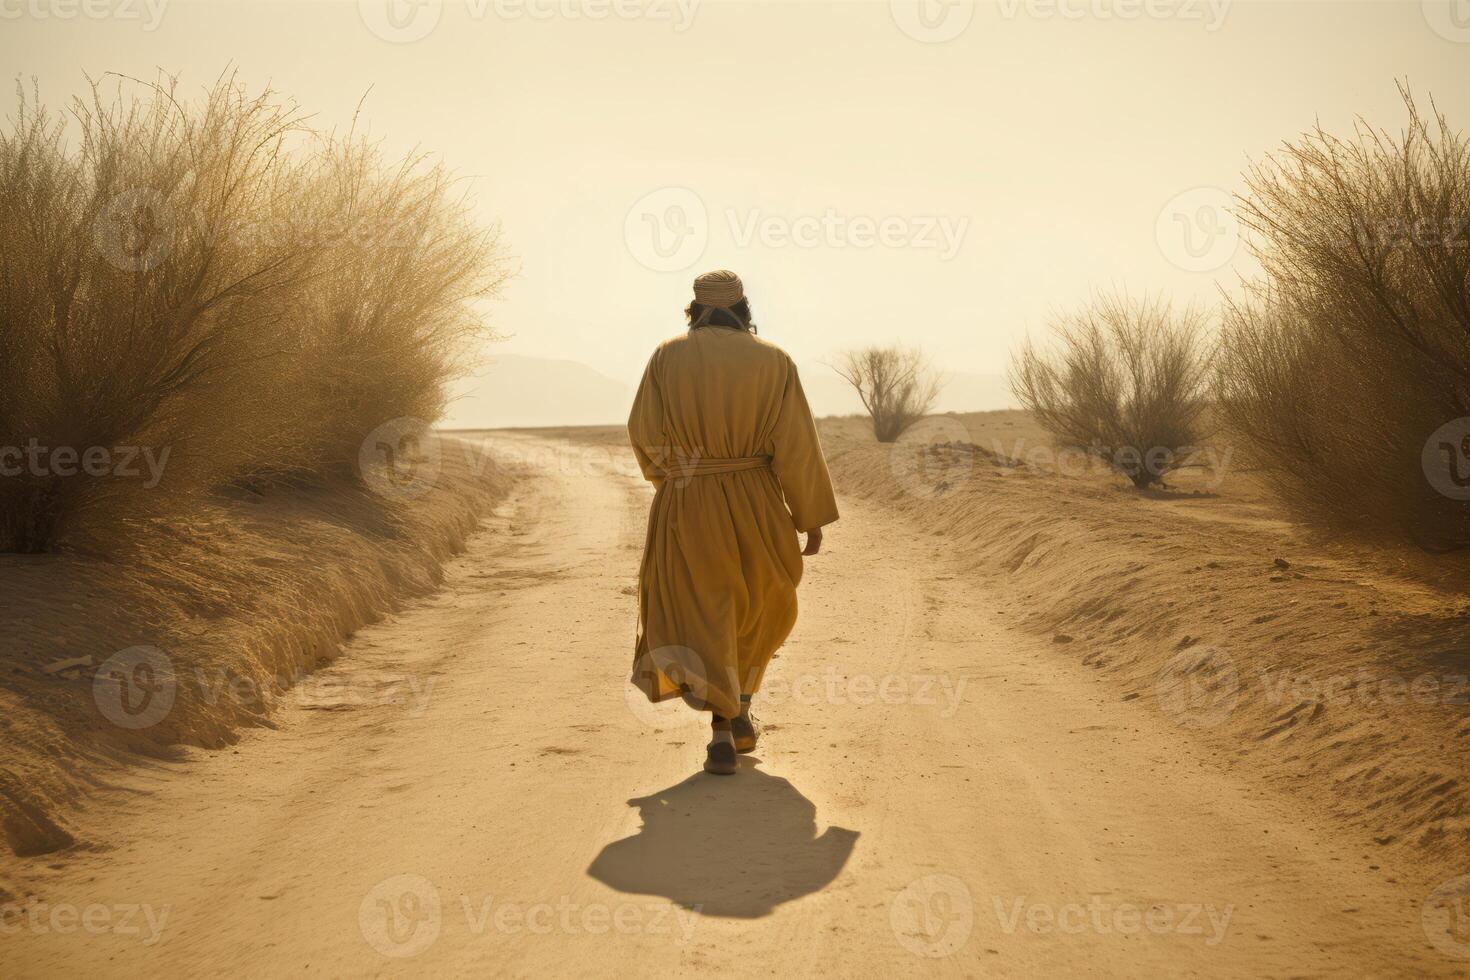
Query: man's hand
<point x="813" y="542"/>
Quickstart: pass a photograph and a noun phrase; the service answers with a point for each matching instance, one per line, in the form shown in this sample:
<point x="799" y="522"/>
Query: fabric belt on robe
<point x="714" y="467"/>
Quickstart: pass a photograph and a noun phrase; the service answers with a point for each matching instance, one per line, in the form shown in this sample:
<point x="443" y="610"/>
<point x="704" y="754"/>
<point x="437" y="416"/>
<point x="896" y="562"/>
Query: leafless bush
<point x="1127" y="382"/>
<point x="186" y="281"/>
<point x="897" y="386"/>
<point x="394" y="316"/>
<point x="1354" y="348"/>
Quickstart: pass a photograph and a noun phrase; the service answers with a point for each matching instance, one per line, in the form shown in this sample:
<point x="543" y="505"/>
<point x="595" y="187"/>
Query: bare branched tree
<point x="1128" y="383"/>
<point x="897" y="386"/>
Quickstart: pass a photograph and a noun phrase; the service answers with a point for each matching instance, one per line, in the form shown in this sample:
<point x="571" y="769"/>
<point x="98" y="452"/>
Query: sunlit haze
<point x="866" y="183"/>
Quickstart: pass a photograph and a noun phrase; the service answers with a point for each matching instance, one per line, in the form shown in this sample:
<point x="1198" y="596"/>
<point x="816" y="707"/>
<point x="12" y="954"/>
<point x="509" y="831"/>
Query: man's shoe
<point x="742" y="729"/>
<point x="720" y="759"/>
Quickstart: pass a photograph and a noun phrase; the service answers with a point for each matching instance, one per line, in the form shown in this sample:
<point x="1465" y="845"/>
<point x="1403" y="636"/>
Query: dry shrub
<point x="128" y="322"/>
<point x="897" y="387"/>
<point x="1353" y="351"/>
<point x="193" y="279"/>
<point x="1127" y="383"/>
<point x="395" y="317"/>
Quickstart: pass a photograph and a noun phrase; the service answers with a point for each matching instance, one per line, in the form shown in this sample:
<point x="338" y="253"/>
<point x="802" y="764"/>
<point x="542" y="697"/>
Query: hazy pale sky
<point x="943" y="173"/>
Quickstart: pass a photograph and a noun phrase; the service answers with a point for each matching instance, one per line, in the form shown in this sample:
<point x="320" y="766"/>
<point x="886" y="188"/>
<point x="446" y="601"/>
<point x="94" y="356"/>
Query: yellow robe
<point x="717" y="589"/>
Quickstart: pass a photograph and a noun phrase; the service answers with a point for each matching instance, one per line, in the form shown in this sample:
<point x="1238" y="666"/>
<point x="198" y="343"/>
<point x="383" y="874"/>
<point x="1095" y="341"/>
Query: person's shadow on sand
<point x="734" y="846"/>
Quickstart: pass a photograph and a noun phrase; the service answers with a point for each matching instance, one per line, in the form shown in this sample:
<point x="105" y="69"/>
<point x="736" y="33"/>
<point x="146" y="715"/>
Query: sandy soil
<point x="938" y="791"/>
<point x="1336" y="671"/>
<point x="200" y="627"/>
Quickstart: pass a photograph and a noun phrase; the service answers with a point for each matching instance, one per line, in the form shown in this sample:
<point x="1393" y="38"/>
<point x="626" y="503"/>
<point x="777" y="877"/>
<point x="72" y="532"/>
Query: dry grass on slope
<point x="201" y="628"/>
<point x="1337" y="672"/>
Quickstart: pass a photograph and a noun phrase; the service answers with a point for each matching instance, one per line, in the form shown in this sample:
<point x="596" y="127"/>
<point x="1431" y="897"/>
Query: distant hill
<point x="515" y="390"/>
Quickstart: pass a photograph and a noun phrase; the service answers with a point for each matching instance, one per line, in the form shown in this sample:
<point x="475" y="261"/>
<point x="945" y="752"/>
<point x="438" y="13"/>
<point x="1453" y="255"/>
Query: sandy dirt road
<point x="468" y="790"/>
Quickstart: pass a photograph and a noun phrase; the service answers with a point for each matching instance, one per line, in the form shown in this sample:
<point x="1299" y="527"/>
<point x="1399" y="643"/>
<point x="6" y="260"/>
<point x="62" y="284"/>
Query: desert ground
<point x="970" y="762"/>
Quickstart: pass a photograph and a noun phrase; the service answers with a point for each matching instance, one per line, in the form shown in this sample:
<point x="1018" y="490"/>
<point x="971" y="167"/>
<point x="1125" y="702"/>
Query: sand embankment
<point x="1335" y="670"/>
<point x="201" y="627"/>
